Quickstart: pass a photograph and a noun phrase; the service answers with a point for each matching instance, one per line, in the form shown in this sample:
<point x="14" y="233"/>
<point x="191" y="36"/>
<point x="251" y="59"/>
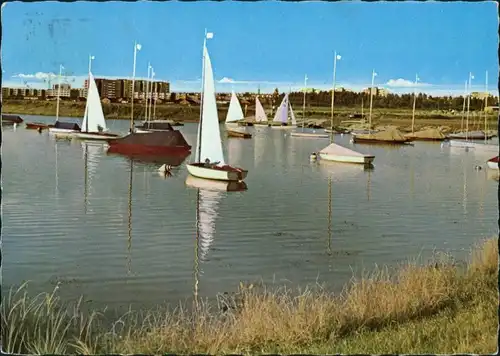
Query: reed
<point x="439" y="307"/>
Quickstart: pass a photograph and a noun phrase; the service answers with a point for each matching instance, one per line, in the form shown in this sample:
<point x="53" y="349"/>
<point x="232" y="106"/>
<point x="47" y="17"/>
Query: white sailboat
<point x="284" y="115"/>
<point x="234" y="115"/>
<point x="464" y="139"/>
<point x="61" y="128"/>
<point x="260" y="114"/>
<point x="94" y="124"/>
<point x="338" y="153"/>
<point x="235" y="112"/>
<point x="209" y="162"/>
<point x="302" y="133"/>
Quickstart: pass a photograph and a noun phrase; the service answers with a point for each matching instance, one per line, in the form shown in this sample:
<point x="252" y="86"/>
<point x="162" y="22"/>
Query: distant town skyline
<point x="252" y="47"/>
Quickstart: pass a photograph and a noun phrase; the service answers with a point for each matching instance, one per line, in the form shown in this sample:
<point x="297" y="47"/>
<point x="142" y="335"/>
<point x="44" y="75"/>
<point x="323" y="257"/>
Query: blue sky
<point x="271" y="43"/>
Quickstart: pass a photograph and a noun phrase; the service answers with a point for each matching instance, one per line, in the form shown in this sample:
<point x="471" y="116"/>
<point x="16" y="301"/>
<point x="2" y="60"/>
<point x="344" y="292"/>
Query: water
<point x="60" y="225"/>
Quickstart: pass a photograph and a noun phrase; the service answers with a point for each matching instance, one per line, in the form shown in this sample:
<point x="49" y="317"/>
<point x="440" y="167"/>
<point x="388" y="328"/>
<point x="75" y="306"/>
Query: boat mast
<point x="468" y="107"/>
<point x="304" y="103"/>
<point x="486" y="104"/>
<point x="91" y="57"/>
<point x="137" y="47"/>
<point x="155" y="97"/>
<point x="463" y="108"/>
<point x="335" y="57"/>
<point x="371" y="102"/>
<point x="146" y="93"/>
<point x="150" y="96"/>
<point x="58" y="91"/>
<point x="414" y="102"/>
<point x="198" y="154"/>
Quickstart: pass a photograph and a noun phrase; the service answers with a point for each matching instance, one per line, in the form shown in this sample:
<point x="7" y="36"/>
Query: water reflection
<point x="339" y="172"/>
<point x="259" y="140"/>
<point x="129" y="223"/>
<point x="208" y="197"/>
<point x="91" y="154"/>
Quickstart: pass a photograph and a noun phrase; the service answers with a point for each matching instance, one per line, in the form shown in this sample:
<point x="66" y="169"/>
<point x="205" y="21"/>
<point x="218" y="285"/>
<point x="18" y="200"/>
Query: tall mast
<point x="414" y="102"/>
<point x="58" y="91"/>
<point x="137" y="47"/>
<point x="198" y="153"/>
<point x="485" y="105"/>
<point x="371" y="101"/>
<point x="146" y="92"/>
<point x="304" y="103"/>
<point x="335" y="57"/>
<point x="468" y="107"/>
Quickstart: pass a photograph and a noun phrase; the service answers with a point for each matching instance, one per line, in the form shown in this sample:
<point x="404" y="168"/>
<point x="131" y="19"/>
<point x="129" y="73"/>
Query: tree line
<point x="390" y="101"/>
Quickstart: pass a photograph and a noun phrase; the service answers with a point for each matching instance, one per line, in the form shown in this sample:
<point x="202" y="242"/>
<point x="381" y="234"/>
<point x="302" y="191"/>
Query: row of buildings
<point x="115" y="90"/>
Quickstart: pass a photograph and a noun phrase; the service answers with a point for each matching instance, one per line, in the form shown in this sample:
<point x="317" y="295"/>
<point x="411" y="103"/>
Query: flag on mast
<point x="138" y="46"/>
<point x="210" y="35"/>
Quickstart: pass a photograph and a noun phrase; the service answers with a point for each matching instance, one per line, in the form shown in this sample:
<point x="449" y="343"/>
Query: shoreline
<point x="439" y="307"/>
<point x="399" y="117"/>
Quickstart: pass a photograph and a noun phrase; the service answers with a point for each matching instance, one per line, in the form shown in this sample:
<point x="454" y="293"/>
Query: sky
<point x="265" y="44"/>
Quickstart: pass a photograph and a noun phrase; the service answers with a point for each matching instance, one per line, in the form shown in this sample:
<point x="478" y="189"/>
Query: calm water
<point x="63" y="225"/>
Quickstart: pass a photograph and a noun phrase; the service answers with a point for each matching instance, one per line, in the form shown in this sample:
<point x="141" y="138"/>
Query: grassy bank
<point x="398" y="117"/>
<point x="437" y="308"/>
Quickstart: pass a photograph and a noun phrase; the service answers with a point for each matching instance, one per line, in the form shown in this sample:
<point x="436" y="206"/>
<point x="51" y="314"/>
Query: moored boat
<point x="389" y="137"/>
<point x="338" y="153"/>
<point x="9" y="119"/>
<point x="238" y="134"/>
<point x="493" y="162"/>
<point x="37" y="126"/>
<point x="94" y="124"/>
<point x="151" y="143"/>
<point x="209" y="162"/>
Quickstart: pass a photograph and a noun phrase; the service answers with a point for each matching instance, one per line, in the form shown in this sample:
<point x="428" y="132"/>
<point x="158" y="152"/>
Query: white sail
<point x="209" y="143"/>
<point x="234" y="113"/>
<point x="94" y="116"/>
<point x="282" y="112"/>
<point x="260" y="114"/>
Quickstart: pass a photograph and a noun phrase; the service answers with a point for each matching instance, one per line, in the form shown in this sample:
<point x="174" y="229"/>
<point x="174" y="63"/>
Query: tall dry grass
<point x="400" y="305"/>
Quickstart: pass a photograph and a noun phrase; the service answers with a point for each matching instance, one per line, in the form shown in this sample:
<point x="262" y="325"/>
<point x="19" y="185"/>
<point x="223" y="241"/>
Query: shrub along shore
<point x="440" y="307"/>
<point x="190" y="113"/>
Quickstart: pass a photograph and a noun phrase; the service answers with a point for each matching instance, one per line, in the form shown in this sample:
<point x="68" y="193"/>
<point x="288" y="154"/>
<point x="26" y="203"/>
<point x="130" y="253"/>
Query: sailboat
<point x="463" y="139"/>
<point x="234" y="115"/>
<point x="431" y="134"/>
<point x="338" y="153"/>
<point x="260" y="114"/>
<point x="283" y="115"/>
<point x="209" y="162"/>
<point x="302" y="133"/>
<point x="383" y="137"/>
<point x="62" y="128"/>
<point x="477" y="135"/>
<point x="94" y="123"/>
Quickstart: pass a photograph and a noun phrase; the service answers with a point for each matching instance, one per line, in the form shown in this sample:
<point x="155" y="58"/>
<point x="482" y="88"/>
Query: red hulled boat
<point x="150" y="144"/>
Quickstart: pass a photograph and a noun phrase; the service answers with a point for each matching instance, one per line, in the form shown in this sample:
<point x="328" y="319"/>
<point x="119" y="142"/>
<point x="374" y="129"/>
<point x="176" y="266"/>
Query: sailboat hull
<point x="95" y="136"/>
<point x="62" y="132"/>
<point x="338" y="153"/>
<point x="493" y="163"/>
<point x="309" y="135"/>
<point x="284" y="127"/>
<point x="238" y="134"/>
<point x="225" y="173"/>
